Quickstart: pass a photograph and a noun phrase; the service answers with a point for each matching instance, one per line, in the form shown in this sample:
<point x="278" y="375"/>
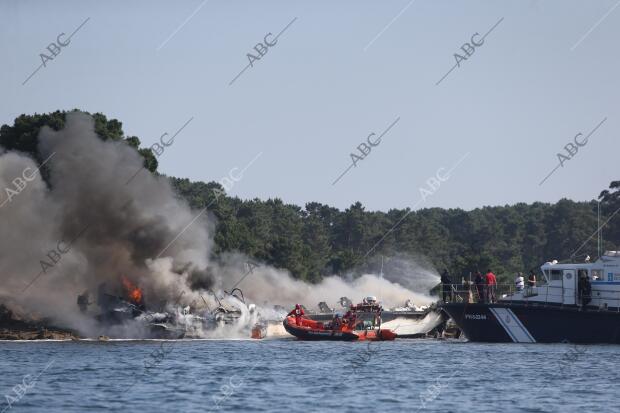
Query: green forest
<point x="317" y="240"/>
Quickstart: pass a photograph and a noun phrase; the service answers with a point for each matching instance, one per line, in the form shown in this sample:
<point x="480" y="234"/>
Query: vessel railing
<point x="552" y="294"/>
<point x="472" y="293"/>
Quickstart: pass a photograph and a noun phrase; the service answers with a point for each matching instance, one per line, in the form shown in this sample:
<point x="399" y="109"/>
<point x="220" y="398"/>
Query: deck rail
<point x="541" y="295"/>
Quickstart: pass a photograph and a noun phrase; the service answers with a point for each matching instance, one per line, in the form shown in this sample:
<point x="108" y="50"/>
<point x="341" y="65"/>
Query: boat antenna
<point x="600" y="231"/>
<point x="250" y="270"/>
<point x="205" y="301"/>
<point x="216" y="297"/>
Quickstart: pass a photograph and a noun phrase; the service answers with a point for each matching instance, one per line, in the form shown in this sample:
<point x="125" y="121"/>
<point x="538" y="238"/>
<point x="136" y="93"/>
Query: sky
<point x="355" y="85"/>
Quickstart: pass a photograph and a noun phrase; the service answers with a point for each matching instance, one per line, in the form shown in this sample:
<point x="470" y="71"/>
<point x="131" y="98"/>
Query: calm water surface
<point x="290" y="375"/>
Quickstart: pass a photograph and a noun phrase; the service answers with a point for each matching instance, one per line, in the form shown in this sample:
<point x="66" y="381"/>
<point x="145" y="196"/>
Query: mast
<point x="600" y="231"/>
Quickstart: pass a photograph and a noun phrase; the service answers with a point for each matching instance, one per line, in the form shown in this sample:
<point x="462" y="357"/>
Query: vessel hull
<point x="520" y="323"/>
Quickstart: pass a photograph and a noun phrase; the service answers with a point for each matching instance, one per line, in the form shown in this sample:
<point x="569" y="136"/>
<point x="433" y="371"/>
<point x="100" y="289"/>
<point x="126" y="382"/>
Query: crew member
<point x="491" y="286"/>
<point x="377" y="320"/>
<point x="346" y="317"/>
<point x="520" y="282"/>
<point x="587" y="291"/>
<point x="446" y="285"/>
<point x="352" y="320"/>
<point x="584" y="289"/>
<point x="297" y="312"/>
<point x="480" y="284"/>
<point x="336" y="322"/>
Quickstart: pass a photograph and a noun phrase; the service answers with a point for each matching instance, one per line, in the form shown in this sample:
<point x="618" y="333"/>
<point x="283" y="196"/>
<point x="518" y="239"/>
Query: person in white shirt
<point x="520" y="282"/>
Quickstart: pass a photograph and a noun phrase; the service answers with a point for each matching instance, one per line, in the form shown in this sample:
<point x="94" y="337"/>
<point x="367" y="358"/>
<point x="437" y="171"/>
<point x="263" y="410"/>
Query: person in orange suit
<point x="297" y="312"/>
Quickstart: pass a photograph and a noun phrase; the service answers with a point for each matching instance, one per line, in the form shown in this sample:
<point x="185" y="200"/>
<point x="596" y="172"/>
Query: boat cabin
<point x="594" y="284"/>
<point x="369" y="304"/>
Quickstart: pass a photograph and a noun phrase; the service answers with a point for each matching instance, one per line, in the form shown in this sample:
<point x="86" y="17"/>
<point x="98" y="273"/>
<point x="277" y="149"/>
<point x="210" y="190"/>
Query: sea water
<point x="290" y="375"/>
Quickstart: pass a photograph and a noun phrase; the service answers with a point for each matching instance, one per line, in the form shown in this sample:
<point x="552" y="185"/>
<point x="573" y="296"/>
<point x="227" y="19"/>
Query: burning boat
<point x="124" y="310"/>
<point x="116" y="218"/>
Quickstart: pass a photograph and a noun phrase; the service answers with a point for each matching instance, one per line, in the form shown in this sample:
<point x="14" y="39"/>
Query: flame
<point x="133" y="291"/>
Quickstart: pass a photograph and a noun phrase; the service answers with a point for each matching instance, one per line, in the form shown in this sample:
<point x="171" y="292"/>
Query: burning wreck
<point x="139" y="260"/>
<point x="116" y="310"/>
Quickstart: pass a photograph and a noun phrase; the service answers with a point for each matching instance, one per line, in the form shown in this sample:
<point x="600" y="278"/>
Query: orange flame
<point x="133" y="292"/>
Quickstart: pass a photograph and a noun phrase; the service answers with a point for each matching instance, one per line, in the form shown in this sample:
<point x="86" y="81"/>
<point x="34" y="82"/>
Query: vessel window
<point x="597" y="275"/>
<point x="556" y="275"/>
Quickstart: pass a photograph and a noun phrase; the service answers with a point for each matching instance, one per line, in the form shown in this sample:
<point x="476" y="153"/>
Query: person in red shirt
<point x="491" y="282"/>
<point x="297" y="312"/>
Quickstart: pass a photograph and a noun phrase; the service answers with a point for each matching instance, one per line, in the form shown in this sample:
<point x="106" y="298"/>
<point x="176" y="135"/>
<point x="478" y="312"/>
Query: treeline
<point x="319" y="240"/>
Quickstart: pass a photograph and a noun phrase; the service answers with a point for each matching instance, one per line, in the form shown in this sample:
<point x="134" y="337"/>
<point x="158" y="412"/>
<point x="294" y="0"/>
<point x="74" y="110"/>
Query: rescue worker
<point x="480" y="284"/>
<point x="336" y="322"/>
<point x="491" y="281"/>
<point x="520" y="282"/>
<point x="298" y="312"/>
<point x="446" y="285"/>
<point x="346" y="317"/>
<point x="352" y="320"/>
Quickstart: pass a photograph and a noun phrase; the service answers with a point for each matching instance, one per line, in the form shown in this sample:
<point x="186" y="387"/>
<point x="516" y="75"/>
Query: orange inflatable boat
<point x="316" y="330"/>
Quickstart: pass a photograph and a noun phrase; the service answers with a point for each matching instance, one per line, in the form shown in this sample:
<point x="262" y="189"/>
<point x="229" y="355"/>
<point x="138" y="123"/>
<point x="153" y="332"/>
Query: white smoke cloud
<point x="138" y="230"/>
<point x="267" y="285"/>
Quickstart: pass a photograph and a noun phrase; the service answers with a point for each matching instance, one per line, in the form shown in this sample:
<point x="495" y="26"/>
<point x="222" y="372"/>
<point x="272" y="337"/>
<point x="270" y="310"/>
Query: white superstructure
<point x="562" y="283"/>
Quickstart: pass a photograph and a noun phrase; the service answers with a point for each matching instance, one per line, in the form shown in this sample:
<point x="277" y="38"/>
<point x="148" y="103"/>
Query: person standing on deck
<point x="531" y="279"/>
<point x="345" y="317"/>
<point x="336" y="322"/>
<point x="377" y="319"/>
<point x="584" y="288"/>
<point x="352" y="321"/>
<point x="520" y="282"/>
<point x="491" y="286"/>
<point x="479" y="280"/>
<point x="587" y="291"/>
<point x="446" y="285"/>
